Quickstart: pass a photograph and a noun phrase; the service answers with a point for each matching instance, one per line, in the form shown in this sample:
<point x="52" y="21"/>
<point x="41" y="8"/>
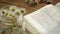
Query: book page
<point x="58" y="5"/>
<point x="45" y="17"/>
<point x="44" y="20"/>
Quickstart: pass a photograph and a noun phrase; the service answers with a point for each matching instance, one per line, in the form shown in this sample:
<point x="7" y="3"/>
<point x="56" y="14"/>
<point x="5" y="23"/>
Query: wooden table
<point x="22" y="3"/>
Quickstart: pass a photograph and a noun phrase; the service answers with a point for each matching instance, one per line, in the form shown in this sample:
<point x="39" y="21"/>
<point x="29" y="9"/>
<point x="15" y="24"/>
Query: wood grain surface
<point x="22" y="3"/>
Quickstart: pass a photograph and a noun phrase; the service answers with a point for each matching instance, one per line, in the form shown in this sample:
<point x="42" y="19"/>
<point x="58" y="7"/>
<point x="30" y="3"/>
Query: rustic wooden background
<point x="22" y="3"/>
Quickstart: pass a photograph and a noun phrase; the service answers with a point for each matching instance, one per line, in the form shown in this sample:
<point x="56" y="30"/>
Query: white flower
<point x="13" y="7"/>
<point x="4" y="12"/>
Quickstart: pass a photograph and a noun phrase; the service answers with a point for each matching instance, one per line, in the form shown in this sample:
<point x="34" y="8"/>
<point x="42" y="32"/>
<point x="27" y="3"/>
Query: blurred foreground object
<point x="33" y="3"/>
<point x="12" y="16"/>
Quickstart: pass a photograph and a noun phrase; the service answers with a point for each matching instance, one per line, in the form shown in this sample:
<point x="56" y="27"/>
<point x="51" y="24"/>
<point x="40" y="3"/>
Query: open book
<point x="43" y="21"/>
